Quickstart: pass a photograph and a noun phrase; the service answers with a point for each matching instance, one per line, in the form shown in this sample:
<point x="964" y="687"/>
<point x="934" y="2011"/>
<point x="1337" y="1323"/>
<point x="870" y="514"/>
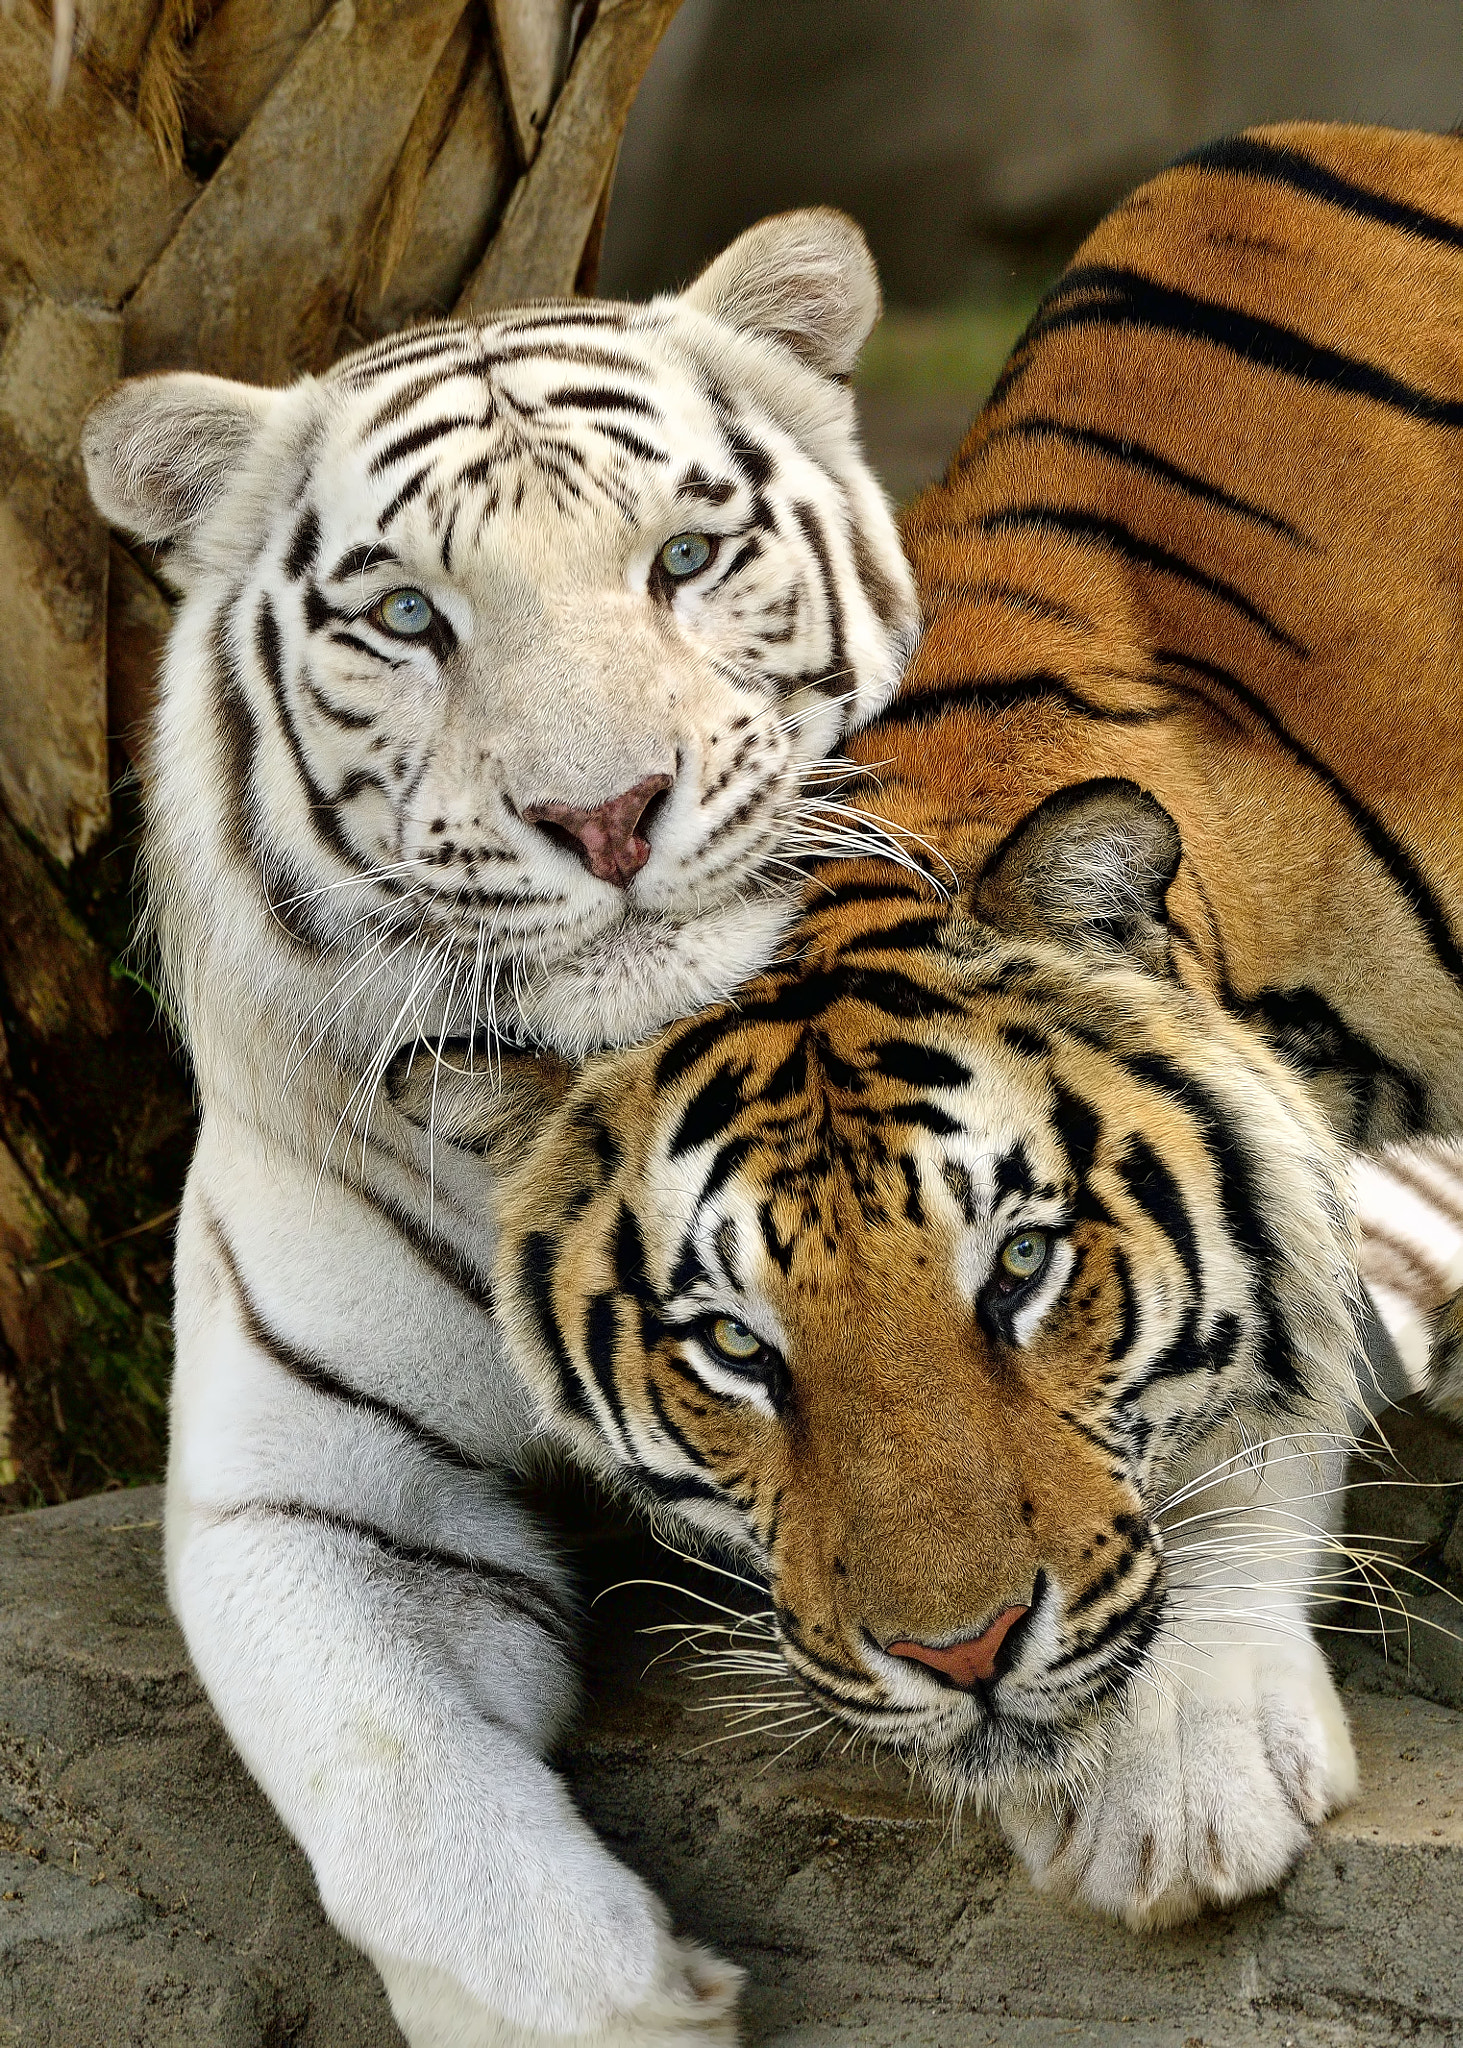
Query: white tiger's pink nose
<point x="605" y="838"/>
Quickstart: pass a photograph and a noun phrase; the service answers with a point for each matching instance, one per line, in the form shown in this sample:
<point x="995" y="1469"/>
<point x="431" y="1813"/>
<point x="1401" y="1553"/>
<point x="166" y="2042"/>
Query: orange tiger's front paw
<point x="1206" y="1798"/>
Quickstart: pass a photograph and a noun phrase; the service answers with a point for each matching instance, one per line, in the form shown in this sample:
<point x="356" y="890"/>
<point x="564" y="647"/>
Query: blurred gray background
<point x="963" y="132"/>
<point x="976" y="140"/>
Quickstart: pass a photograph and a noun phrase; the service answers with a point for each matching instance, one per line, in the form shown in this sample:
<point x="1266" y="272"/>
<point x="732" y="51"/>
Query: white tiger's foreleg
<point x="1234" y="1743"/>
<point x="386" y="1639"/>
<point x="440" y="1843"/>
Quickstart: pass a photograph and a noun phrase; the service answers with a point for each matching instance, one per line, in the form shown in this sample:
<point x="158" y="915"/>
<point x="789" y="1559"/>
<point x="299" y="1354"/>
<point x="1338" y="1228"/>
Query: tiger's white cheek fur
<point x="562" y="668"/>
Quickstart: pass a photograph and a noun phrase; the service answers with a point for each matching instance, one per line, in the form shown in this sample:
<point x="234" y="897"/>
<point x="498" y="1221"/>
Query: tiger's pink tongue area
<point x="970" y="1662"/>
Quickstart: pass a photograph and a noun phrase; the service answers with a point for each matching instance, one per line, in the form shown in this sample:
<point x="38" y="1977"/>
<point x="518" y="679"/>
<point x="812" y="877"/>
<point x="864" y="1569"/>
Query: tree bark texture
<point x="253" y="188"/>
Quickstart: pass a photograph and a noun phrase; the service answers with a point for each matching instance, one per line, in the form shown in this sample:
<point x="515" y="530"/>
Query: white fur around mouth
<point x="647" y="970"/>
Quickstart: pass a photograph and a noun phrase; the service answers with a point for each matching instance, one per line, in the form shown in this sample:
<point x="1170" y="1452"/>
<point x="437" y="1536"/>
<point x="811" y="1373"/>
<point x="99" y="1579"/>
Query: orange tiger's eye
<point x="1022" y="1257"/>
<point x="734" y="1340"/>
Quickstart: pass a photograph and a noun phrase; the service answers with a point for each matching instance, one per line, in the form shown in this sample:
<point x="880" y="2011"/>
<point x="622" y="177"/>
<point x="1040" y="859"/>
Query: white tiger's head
<point x="507" y="649"/>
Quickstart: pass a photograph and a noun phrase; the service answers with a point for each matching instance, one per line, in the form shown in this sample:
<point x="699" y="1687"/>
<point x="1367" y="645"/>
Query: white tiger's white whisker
<point x="827" y="844"/>
<point x="795" y="721"/>
<point x="835" y="771"/>
<point x="368" y="1081"/>
<point x="365" y="878"/>
<point x="376" y="1073"/>
<point x="367" y="1087"/>
<point x="478" y="989"/>
<point x="824" y="820"/>
<point x="401" y="921"/>
<point x="434" y="1047"/>
<point x="308" y="1045"/>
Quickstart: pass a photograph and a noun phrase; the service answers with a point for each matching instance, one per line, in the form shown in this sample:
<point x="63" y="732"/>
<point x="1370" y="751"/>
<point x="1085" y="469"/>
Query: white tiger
<point x="505" y="658"/>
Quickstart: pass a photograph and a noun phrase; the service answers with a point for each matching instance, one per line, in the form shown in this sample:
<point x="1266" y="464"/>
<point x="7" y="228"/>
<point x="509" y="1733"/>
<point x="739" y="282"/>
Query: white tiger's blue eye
<point x="404" y="612"/>
<point x="684" y="555"/>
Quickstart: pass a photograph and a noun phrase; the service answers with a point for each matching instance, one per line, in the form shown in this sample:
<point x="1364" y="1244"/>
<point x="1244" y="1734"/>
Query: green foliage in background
<point x="948" y="352"/>
<point x="96" y="1124"/>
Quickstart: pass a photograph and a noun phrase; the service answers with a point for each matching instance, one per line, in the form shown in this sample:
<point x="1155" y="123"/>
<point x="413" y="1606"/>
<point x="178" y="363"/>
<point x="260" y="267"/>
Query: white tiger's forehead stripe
<point x="570" y="402"/>
<point x="479" y="380"/>
<point x="443" y="339"/>
<point x="579" y="439"/>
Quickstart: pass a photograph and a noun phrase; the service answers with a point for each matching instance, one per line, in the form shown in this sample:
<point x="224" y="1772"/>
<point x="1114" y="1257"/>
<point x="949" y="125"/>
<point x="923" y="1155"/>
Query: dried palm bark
<point x="250" y="187"/>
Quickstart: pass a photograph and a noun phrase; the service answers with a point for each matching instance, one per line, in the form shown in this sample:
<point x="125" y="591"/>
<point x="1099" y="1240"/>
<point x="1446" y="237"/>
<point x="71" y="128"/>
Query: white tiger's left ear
<point x="160" y="451"/>
<point x="1090" y="867"/>
<point x="804" y="279"/>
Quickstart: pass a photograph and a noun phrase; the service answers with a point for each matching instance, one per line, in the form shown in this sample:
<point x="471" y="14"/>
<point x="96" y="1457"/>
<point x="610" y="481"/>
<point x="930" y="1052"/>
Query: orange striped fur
<point x="1178" y="759"/>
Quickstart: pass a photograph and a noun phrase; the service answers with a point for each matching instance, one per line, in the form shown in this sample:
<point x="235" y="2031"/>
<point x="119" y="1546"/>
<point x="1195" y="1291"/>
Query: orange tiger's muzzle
<point x="928" y="1503"/>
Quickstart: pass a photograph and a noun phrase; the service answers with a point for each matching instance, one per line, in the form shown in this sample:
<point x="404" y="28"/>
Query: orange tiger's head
<point x="925" y="1273"/>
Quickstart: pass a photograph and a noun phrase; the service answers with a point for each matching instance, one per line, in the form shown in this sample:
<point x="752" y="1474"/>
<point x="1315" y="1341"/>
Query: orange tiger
<point x="985" y="1273"/>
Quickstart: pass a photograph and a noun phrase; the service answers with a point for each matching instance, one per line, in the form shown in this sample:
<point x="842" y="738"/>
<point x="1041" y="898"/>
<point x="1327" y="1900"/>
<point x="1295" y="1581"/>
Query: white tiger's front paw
<point x="694" y="2005"/>
<point x="691" y="2004"/>
<point x="1208" y="1793"/>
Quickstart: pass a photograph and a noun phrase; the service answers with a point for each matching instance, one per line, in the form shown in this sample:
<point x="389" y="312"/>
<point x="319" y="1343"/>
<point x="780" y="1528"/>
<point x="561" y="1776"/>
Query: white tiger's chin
<point x="649" y="970"/>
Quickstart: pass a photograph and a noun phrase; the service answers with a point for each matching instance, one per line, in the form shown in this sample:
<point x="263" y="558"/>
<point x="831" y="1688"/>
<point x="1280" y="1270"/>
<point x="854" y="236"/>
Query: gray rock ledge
<point x="151" y="1900"/>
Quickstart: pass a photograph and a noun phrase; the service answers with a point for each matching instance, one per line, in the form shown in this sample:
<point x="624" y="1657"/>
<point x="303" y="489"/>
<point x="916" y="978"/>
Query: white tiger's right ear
<point x="159" y="451"/>
<point x="805" y="279"/>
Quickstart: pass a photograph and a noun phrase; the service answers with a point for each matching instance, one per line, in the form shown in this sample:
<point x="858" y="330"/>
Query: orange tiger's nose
<point x="605" y="838"/>
<point x="969" y="1662"/>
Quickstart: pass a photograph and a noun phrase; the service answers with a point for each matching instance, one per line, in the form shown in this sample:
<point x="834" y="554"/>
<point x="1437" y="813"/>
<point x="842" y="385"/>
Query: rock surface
<point x="148" y="1897"/>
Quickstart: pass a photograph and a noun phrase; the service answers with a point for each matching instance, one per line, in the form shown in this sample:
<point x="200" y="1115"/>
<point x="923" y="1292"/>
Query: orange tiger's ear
<point x="489" y="1102"/>
<point x="1090" y="867"/>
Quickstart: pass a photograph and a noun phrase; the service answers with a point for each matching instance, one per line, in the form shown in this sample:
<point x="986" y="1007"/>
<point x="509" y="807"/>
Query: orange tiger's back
<point x="1206" y="535"/>
<point x="967" y="1271"/>
<point x="1260" y="290"/>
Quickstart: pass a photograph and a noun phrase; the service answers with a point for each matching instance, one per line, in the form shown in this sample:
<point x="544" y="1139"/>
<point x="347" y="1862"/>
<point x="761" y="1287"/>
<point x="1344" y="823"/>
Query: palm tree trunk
<point x="193" y="186"/>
